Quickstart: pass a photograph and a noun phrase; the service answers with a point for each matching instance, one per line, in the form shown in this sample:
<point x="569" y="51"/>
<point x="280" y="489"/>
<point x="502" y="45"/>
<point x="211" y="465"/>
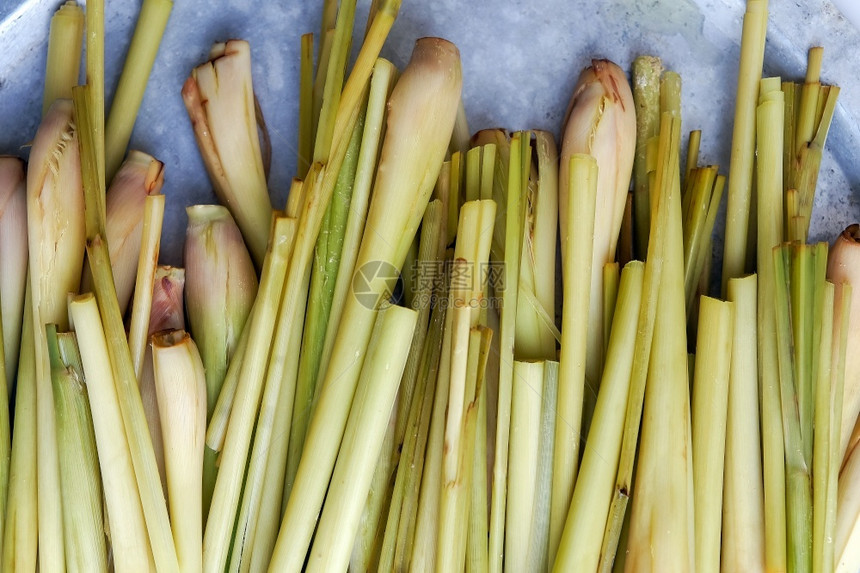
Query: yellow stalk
<point x="129" y="541"/>
<point x="363" y="438"/>
<point x="181" y="387"/>
<point x="743" y="497"/>
<point x="64" y="53"/>
<point x="14" y="260"/>
<point x="577" y="267"/>
<point x="710" y="410"/>
<point x="153" y="216"/>
<point x="132" y="82"/>
<point x="589" y="509"/>
<point x="743" y="140"/>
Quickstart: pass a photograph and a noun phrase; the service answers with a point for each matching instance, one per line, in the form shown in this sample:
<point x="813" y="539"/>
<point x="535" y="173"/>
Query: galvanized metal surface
<point x="520" y="61"/>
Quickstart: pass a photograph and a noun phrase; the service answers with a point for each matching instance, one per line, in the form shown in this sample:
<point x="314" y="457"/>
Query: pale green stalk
<point x="83" y="522"/>
<point x="477" y="556"/>
<point x="769" y="234"/>
<point x="589" y="509"/>
<point x="824" y="463"/>
<point x="743" y="139"/>
<point x="95" y="76"/>
<point x="13" y="260"/>
<point x="129" y="542"/>
<point x="523" y="460"/>
<point x="132" y="82"/>
<point x="64" y="53"/>
<point x="611" y="279"/>
<point x="417" y="150"/>
<point x="363" y="438"/>
<point x="798" y="479"/>
<point x="710" y="411"/>
<point x="131" y="407"/>
<point x="261" y="328"/>
<point x="520" y="151"/>
<point x="399" y="527"/>
<point x="577" y="267"/>
<point x="743" y="496"/>
<point x="667" y="189"/>
<point x="660" y="521"/>
<point x="20" y="535"/>
<point x="306" y="94"/>
<point x="153" y="217"/>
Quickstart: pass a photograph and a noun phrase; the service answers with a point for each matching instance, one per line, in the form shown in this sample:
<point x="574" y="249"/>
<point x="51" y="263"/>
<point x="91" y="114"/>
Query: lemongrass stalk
<point x="465" y="293"/>
<point x="525" y="421"/>
<point x="167" y="314"/>
<point x="381" y="84"/>
<point x="704" y="256"/>
<point x="181" y="387"/>
<point x="538" y="558"/>
<point x="477" y="556"/>
<point x="305" y="145"/>
<point x="710" y="411"/>
<point x="670" y="92"/>
<point x="280" y="383"/>
<point x="586" y="520"/>
<point x="695" y="237"/>
<point x="611" y="279"/>
<point x="804" y="316"/>
<point x="383" y="480"/>
<point x="326" y="42"/>
<point x="417" y="149"/>
<point x="335" y="68"/>
<point x="20" y="534"/>
<point x="55" y="214"/>
<point x="513" y="237"/>
<point x="848" y="516"/>
<point x="129" y="541"/>
<point x="13" y="260"/>
<point x="153" y="217"/>
<point x="83" y="524"/>
<point x="363" y="439"/>
<point x="327" y="255"/>
<point x="132" y="82"/>
<point x="455" y="193"/>
<point x="577" y="267"/>
<point x="743" y="497"/>
<point x="824" y="463"/>
<point x="667" y="187"/>
<point x="537" y="268"/>
<point x="601" y="121"/>
<point x="131" y="408"/>
<point x="693" y="145"/>
<point x="140" y="176"/>
<point x="219" y="98"/>
<point x="842" y="268"/>
<point x="769" y="234"/>
<point x="401" y="515"/>
<point x="744" y="139"/>
<point x="64" y="53"/>
<point x="660" y="518"/>
<point x="225" y="497"/>
<point x="646" y="97"/>
<point x="798" y="481"/>
<point x="460" y="434"/>
<point x="95" y="75"/>
<point x="220" y="287"/>
<point x="265" y="524"/>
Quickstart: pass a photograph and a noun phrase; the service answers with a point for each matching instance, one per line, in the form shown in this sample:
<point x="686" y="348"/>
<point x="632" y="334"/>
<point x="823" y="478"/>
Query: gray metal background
<point x="520" y="60"/>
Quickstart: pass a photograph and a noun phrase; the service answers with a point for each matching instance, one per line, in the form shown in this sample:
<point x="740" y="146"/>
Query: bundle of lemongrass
<point x="374" y="377"/>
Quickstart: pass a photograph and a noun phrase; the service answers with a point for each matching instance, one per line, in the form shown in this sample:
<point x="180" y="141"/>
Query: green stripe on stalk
<point x="412" y="155"/>
<point x="80" y="481"/>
